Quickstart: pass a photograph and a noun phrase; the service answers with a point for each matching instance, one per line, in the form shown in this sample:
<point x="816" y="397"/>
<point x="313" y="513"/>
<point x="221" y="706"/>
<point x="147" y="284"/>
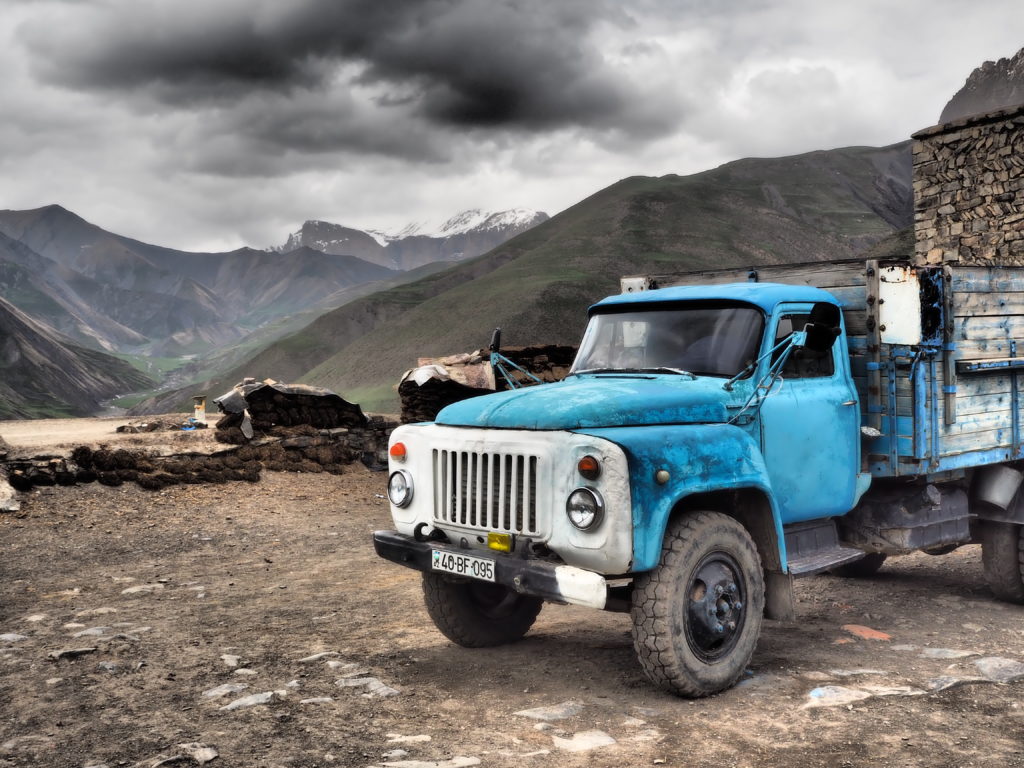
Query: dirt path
<point x="167" y="587"/>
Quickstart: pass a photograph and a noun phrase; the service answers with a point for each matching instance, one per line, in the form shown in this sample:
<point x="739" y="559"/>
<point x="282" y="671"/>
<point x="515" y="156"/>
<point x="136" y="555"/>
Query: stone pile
<point x="969" y="191"/>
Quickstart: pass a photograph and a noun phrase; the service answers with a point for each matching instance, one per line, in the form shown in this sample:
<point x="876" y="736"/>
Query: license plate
<point x="463" y="565"/>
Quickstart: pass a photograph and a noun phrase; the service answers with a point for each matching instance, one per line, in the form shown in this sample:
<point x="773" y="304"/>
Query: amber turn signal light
<point x="397" y="451"/>
<point x="589" y="467"/>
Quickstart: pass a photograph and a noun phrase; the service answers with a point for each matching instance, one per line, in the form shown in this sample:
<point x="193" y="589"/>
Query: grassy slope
<point x="819" y="206"/>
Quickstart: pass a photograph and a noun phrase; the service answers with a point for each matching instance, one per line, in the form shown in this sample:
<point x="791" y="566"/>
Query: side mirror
<point x="823" y="327"/>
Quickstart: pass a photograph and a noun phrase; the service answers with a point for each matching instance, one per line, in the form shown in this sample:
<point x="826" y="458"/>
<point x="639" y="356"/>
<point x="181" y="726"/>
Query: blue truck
<point x="719" y="435"/>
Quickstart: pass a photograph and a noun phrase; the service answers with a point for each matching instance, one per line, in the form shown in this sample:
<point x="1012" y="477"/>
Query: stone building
<point x="969" y="190"/>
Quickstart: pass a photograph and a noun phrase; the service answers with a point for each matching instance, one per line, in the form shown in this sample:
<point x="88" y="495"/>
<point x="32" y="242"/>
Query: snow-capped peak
<point x="473" y="220"/>
<point x="325" y="236"/>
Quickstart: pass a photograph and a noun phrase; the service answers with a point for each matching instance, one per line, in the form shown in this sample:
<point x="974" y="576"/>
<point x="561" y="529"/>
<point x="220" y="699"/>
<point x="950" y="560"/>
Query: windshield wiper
<point x="658" y="369"/>
<point x="605" y="370"/>
<point x="666" y="369"/>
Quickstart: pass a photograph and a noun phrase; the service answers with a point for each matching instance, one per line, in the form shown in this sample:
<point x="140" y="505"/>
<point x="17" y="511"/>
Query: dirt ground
<point x="59" y="436"/>
<point x="165" y="589"/>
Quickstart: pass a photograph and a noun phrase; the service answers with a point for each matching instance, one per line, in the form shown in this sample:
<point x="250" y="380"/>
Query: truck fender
<point x="708" y="466"/>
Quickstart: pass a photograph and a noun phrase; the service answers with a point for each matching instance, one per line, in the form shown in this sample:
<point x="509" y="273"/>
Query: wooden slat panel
<point x="821" y="275"/>
<point x="987" y="279"/>
<point x="988" y="328"/>
<point x="974" y="441"/>
<point x="978" y="422"/>
<point x="987" y="304"/>
<point x="985" y="349"/>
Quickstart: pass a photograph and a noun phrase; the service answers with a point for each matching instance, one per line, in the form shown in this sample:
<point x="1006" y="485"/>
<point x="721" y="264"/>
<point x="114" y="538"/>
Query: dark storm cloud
<point x="514" y="64"/>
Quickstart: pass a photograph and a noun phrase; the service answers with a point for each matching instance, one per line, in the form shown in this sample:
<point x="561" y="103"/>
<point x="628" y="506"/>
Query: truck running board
<point x="813" y="547"/>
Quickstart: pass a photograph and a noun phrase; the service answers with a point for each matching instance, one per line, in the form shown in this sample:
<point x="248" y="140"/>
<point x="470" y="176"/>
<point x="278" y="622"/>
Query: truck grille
<point x="487" y="491"/>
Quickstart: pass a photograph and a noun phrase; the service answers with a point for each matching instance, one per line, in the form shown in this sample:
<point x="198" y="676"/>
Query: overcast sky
<point x="211" y="124"/>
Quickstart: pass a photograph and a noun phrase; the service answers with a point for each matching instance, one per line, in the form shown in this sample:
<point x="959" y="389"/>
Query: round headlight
<point x="400" y="488"/>
<point x="585" y="508"/>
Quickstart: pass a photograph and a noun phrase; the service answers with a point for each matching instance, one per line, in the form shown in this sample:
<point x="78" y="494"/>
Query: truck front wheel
<point x="1002" y="554"/>
<point x="475" y="614"/>
<point x="697" y="615"/>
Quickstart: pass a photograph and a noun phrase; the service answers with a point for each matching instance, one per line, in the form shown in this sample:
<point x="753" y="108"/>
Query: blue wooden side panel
<point x="985" y="423"/>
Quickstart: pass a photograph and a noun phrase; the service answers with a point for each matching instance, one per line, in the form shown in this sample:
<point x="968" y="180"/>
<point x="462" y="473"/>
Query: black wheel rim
<point x="715" y="606"/>
<point x="492" y="600"/>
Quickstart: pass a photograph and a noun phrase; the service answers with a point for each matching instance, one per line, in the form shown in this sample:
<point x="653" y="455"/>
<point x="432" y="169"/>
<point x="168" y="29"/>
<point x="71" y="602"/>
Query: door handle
<point x="849" y="402"/>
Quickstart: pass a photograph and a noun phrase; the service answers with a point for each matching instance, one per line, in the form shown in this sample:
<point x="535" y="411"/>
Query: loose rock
<point x="200" y="753"/>
<point x="249" y="701"/>
<point x="223" y="690"/>
<point x="950" y="681"/>
<point x="374" y="687"/>
<point x="397" y="738"/>
<point x="1000" y="670"/>
<point x="70" y="653"/>
<point x="92" y="632"/>
<point x="947" y="653"/>
<point x="556" y="712"/>
<point x="318" y="656"/>
<point x="584" y="741"/>
<point x="142" y="589"/>
<point x="834" y="696"/>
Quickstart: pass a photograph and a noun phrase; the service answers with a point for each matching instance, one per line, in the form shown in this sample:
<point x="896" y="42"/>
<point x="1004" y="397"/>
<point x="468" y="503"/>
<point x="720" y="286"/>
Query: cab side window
<point x="802" y="363"/>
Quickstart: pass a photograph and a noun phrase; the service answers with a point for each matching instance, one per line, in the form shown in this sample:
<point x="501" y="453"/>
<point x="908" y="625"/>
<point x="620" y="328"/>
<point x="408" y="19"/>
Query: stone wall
<point x="969" y="190"/>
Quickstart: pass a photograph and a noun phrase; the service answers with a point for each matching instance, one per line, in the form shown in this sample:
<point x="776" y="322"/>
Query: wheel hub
<point x="715" y="610"/>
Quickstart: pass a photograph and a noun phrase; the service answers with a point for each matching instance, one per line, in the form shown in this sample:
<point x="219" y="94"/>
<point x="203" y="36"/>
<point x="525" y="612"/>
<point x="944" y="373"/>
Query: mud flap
<point x="779" y="602"/>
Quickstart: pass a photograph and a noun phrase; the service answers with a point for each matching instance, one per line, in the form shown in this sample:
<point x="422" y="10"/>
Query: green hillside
<point x="818" y="206"/>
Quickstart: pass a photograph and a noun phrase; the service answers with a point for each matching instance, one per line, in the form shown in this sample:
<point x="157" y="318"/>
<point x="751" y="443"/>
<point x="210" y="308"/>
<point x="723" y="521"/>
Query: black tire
<point x="697" y="615"/>
<point x="859" y="569"/>
<point x="476" y="614"/>
<point x="1002" y="553"/>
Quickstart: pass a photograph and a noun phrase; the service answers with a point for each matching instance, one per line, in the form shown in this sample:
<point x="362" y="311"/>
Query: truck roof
<point x="764" y="295"/>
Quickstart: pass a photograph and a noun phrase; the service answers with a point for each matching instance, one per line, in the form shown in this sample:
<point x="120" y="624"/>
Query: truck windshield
<point x="701" y="338"/>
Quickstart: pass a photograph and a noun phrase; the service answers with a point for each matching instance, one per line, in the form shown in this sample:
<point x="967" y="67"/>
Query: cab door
<point x="810" y="426"/>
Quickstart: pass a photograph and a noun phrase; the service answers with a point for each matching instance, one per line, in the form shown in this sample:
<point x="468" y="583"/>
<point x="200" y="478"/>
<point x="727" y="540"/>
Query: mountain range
<point x="104" y="291"/>
<point x="817" y="206"/>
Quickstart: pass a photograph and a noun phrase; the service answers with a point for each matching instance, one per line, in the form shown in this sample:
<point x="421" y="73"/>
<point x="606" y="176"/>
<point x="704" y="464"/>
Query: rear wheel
<point x="1002" y="553"/>
<point x="697" y="615"/>
<point x="476" y="614"/>
<point x="866" y="566"/>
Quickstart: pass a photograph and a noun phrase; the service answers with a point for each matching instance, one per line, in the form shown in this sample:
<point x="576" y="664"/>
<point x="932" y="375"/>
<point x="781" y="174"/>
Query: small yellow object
<point x="661" y="476"/>
<point x="502" y="542"/>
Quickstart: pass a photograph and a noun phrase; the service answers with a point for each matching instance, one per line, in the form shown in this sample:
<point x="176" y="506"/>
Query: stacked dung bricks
<point x="469" y="375"/>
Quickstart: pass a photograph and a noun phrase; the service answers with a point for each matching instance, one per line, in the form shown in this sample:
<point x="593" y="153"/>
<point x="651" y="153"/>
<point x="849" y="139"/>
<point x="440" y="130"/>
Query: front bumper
<point x="557" y="583"/>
